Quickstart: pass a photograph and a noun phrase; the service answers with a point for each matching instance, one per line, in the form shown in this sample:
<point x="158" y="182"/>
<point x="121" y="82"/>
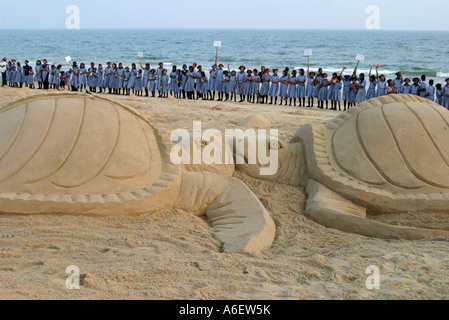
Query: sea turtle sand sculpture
<point x="87" y="155"/>
<point x="387" y="155"/>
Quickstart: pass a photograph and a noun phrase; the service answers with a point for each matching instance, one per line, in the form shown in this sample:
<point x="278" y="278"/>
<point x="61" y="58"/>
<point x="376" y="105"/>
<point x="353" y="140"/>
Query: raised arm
<point x="343" y="70"/>
<point x="140" y="62"/>
<point x="354" y="74"/>
<point x="308" y="65"/>
<point x="377" y="72"/>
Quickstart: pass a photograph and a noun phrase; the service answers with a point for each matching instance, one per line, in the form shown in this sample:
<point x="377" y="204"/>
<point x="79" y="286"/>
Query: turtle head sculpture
<point x="387" y="155"/>
<point x="69" y="153"/>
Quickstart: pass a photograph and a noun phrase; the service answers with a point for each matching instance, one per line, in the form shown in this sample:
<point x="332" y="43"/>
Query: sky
<point x="252" y="14"/>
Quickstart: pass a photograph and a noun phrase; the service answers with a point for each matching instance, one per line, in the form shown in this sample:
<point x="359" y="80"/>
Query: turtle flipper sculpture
<point x="388" y="155"/>
<point x="87" y="155"/>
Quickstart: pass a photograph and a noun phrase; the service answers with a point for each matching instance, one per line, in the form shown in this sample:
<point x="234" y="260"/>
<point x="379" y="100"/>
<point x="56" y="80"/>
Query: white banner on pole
<point x="217" y="43"/>
<point x="140" y="54"/>
<point x="308" y="52"/>
<point x="68" y="59"/>
<point x="360" y="57"/>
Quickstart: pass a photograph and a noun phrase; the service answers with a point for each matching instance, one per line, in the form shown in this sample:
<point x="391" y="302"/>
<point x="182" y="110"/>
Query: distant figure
<point x="3" y="71"/>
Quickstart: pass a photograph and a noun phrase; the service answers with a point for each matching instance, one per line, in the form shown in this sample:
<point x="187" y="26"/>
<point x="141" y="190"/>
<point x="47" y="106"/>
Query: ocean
<point x="413" y="53"/>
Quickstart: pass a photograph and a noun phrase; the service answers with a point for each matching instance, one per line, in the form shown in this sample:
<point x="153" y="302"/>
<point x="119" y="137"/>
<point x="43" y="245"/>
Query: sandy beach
<point x="172" y="254"/>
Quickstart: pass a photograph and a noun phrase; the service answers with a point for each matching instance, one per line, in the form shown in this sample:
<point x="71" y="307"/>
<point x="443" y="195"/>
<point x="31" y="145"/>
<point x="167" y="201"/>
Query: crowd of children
<point x="266" y="86"/>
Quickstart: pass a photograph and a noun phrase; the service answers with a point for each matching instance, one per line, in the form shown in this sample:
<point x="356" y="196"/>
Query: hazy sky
<point x="294" y="14"/>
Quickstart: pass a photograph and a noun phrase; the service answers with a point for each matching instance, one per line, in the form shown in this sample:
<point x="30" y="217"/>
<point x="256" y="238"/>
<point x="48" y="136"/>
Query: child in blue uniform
<point x="159" y="72"/>
<point x="310" y="88"/>
<point x="204" y="85"/>
<point x="398" y="82"/>
<point x="241" y="81"/>
<point x="233" y="85"/>
<point x="423" y="86"/>
<point x="317" y="83"/>
<point x="37" y="71"/>
<point x="438" y="92"/>
<point x="406" y="88"/>
<point x="212" y="82"/>
<point x="74" y="83"/>
<point x="82" y="77"/>
<point x="190" y="83"/>
<point x="248" y="85"/>
<point x="371" y="93"/>
<point x="283" y="87"/>
<point x="145" y="76"/>
<point x="219" y="82"/>
<point x="346" y="90"/>
<point x="99" y="78"/>
<point x="255" y="85"/>
<point x="445" y="94"/>
<point x="108" y="79"/>
<point x="132" y="78"/>
<point x="121" y="79"/>
<point x="336" y="94"/>
<point x="138" y="83"/>
<point x="415" y="87"/>
<point x="292" y="90"/>
<point x="430" y="91"/>
<point x="30" y="78"/>
<point x="173" y="86"/>
<point x="323" y="91"/>
<point x="274" y="88"/>
<point x="226" y="84"/>
<point x="164" y="83"/>
<point x="114" y="79"/>
<point x="391" y="87"/>
<point x="352" y="92"/>
<point x="152" y="82"/>
<point x="301" y="80"/>
<point x="361" y="92"/>
<point x="126" y="78"/>
<point x="266" y="79"/>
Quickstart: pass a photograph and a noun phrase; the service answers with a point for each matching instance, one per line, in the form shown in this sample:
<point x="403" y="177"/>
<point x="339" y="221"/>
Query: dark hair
<point x="431" y="82"/>
<point x="423" y="77"/>
<point x="439" y="86"/>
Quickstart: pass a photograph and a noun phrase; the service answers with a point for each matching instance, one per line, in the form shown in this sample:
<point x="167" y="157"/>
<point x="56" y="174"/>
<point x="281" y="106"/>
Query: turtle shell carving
<point x="77" y="148"/>
<point x="390" y="153"/>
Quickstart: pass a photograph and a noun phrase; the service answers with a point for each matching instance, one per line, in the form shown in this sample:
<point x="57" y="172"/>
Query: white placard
<point x="140" y="54"/>
<point x="217" y="43"/>
<point x="308" y="52"/>
<point x="68" y="59"/>
<point x="360" y="57"/>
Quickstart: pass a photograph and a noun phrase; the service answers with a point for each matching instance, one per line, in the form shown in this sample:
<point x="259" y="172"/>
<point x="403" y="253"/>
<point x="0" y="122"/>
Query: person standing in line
<point x="44" y="74"/>
<point x="3" y="71"/>
<point x="398" y="82"/>
<point x="145" y="76"/>
<point x="241" y="79"/>
<point x="423" y="86"/>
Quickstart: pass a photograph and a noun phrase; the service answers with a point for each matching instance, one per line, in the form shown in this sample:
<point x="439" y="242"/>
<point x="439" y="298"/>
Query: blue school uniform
<point x="274" y="88"/>
<point x="283" y="87"/>
<point x="398" y="83"/>
<point x="82" y="76"/>
<point x="108" y="78"/>
<point x="152" y="82"/>
<point x="301" y="88"/>
<point x="292" y="88"/>
<point x="406" y="89"/>
<point x="346" y="89"/>
<point x="232" y="84"/>
<point x="265" y="85"/>
<point x="352" y="93"/>
<point x="241" y="81"/>
<point x="213" y="79"/>
<point x="173" y="82"/>
<point x="318" y="81"/>
<point x="423" y="88"/>
<point x="310" y="87"/>
<point x="126" y="77"/>
<point x="30" y="78"/>
<point x="183" y="79"/>
<point x="371" y="93"/>
<point x="414" y="89"/>
<point x="45" y="73"/>
<point x="114" y="78"/>
<point x="138" y="83"/>
<point x="57" y="77"/>
<point x="99" y="78"/>
<point x="381" y="88"/>
<point x="20" y="76"/>
<point x="37" y="76"/>
<point x="445" y="100"/>
<point x="132" y="78"/>
<point x="12" y="75"/>
<point x="74" y="81"/>
<point x="255" y="84"/>
<point x="121" y="78"/>
<point x="164" y="83"/>
<point x="323" y="90"/>
<point x="336" y="92"/>
<point x="159" y="77"/>
<point x="226" y="83"/>
<point x="190" y="82"/>
<point x="330" y="90"/>
<point x="91" y="78"/>
<point x="68" y="77"/>
<point x="361" y="92"/>
<point x="431" y="93"/>
<point x="219" y="80"/>
<point x="248" y="85"/>
<point x="439" y="97"/>
<point x="145" y="77"/>
<point x="204" y="85"/>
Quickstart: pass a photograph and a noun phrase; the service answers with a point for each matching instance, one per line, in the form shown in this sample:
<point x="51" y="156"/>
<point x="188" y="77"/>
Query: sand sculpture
<point x="388" y="155"/>
<point x="82" y="154"/>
